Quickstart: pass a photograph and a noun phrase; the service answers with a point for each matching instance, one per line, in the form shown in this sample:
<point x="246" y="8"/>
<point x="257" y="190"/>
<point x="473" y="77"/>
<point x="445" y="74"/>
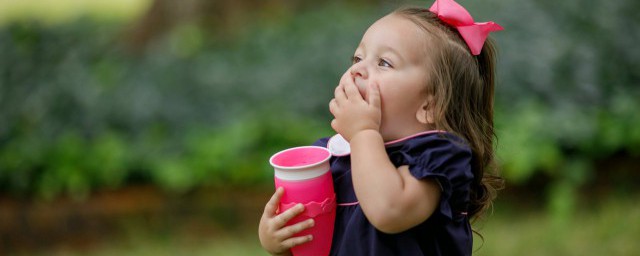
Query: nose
<point x="360" y="75"/>
<point x="359" y="69"/>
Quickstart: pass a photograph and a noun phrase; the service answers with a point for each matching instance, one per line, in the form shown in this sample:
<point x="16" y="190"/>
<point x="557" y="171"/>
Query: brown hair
<point x="462" y="87"/>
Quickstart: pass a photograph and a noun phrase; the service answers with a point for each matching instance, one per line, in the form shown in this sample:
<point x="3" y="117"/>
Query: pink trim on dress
<point x="349" y="204"/>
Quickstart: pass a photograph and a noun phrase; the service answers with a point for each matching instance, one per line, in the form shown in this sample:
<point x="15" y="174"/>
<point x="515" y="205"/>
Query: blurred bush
<point x="79" y="112"/>
<point x="568" y="92"/>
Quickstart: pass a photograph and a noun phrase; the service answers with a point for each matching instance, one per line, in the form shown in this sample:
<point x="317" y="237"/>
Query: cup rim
<point x="300" y="166"/>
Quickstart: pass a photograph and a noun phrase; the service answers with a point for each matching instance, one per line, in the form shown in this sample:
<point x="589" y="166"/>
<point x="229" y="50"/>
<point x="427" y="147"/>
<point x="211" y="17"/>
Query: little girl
<point x="416" y="107"/>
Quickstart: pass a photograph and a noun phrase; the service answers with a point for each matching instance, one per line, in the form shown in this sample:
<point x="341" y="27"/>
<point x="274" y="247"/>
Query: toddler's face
<point x="393" y="53"/>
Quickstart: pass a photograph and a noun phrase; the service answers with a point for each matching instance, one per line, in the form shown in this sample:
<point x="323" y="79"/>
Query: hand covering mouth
<point x="362" y="88"/>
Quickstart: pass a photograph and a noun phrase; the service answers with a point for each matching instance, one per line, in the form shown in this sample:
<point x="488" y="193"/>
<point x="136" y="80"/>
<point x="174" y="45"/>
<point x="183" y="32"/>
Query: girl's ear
<point x="425" y="112"/>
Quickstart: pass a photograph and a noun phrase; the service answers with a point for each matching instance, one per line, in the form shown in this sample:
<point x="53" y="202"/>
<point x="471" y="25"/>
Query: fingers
<point x="342" y="91"/>
<point x="346" y="78"/>
<point x="351" y="90"/>
<point x="294" y="241"/>
<point x="374" y="95"/>
<point x="333" y="107"/>
<point x="287" y="215"/>
<point x="339" y="93"/>
<point x="347" y="89"/>
<point x="271" y="208"/>
<point x="285" y="234"/>
<point x="274" y="236"/>
<point x="334" y="125"/>
<point x="289" y="231"/>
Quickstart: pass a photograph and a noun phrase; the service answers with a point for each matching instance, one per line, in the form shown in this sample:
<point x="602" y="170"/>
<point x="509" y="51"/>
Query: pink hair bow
<point x="473" y="33"/>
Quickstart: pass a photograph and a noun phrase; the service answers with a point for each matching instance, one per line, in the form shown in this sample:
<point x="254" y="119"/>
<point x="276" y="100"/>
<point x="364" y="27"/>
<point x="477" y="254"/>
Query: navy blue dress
<point x="442" y="156"/>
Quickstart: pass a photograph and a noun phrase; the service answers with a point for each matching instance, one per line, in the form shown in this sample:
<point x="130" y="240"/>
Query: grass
<point x="239" y="245"/>
<point x="605" y="227"/>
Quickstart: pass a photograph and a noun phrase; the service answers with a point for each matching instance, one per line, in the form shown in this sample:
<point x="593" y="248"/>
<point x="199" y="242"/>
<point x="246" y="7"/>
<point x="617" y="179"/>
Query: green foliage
<point x="525" y="145"/>
<point x="236" y="153"/>
<point x="567" y="92"/>
<point x="565" y="67"/>
<point x="78" y="112"/>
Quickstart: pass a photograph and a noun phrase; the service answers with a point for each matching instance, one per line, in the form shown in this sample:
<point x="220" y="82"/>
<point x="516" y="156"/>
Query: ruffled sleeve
<point x="446" y="158"/>
<point x="322" y="142"/>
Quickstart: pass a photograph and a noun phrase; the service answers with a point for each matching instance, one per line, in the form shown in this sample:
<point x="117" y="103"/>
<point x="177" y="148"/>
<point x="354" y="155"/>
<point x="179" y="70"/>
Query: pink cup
<point x="304" y="174"/>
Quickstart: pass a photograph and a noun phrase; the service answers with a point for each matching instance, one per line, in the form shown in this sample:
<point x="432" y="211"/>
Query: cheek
<point x="399" y="102"/>
<point x="391" y="102"/>
<point x="400" y="91"/>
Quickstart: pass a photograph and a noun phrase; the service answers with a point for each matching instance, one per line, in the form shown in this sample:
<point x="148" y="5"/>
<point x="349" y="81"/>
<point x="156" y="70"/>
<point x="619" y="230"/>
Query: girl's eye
<point x="355" y="59"/>
<point x="384" y="63"/>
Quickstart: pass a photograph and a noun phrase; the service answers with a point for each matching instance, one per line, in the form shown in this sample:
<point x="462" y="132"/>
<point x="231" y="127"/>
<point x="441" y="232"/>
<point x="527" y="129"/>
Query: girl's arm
<point x="391" y="199"/>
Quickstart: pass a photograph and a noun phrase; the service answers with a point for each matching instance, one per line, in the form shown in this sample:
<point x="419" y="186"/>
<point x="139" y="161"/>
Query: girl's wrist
<point x="365" y="135"/>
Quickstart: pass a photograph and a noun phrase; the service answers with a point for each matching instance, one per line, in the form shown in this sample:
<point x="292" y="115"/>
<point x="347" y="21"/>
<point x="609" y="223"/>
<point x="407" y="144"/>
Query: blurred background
<point x="144" y="127"/>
